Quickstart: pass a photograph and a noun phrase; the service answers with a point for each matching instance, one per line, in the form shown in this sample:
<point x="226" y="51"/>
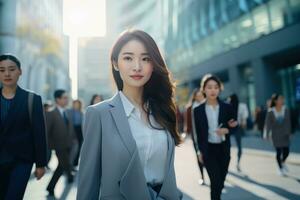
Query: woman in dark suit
<point x="22" y="132"/>
<point x="214" y="120"/>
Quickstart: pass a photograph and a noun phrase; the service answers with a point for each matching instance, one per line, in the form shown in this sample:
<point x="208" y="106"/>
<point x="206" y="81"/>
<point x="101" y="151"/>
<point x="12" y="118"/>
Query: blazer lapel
<point x="133" y="183"/>
<point x="14" y="109"/>
<point x="118" y="113"/>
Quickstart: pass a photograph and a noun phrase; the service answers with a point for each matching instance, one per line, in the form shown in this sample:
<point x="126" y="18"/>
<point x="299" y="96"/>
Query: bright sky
<point x="81" y="18"/>
<point x="84" y="17"/>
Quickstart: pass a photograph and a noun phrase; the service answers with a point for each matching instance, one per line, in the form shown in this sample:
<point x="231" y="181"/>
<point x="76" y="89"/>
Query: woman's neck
<point x="9" y="92"/>
<point x="212" y="102"/>
<point x="135" y="95"/>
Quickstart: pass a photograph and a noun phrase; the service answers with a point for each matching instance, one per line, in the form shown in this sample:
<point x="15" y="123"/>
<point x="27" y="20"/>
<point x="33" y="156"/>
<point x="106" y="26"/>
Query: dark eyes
<point x="128" y="58"/>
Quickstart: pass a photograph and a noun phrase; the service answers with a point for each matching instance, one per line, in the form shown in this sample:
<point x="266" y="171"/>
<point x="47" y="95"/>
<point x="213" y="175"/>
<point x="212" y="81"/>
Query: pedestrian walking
<point x="197" y="98"/>
<point x="214" y="121"/>
<point x="96" y="98"/>
<point x="61" y="138"/>
<point x="278" y="130"/>
<point x="241" y="113"/>
<point x="77" y="117"/>
<point x="129" y="140"/>
<point x="22" y="132"/>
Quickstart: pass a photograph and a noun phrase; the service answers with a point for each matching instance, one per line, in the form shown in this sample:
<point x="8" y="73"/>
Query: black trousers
<point x="64" y="166"/>
<point x="13" y="180"/>
<point x="78" y="131"/>
<point x="216" y="163"/>
<point x="281" y="155"/>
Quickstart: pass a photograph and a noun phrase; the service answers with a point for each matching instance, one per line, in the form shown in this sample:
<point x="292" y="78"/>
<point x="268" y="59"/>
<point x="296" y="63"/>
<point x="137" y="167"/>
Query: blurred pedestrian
<point x="22" y="132"/>
<point x="197" y="98"/>
<point x="77" y="117"/>
<point x="47" y="106"/>
<point x="129" y="140"/>
<point x="278" y="129"/>
<point x="61" y="138"/>
<point x="96" y="98"/>
<point x="214" y="121"/>
<point x="241" y="113"/>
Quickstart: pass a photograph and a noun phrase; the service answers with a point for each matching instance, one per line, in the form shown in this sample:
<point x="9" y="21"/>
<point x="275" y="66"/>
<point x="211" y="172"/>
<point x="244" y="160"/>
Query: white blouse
<point x="212" y="114"/>
<point x="152" y="144"/>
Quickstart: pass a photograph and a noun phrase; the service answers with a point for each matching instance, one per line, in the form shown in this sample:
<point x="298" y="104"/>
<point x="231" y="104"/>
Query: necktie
<point x="65" y="118"/>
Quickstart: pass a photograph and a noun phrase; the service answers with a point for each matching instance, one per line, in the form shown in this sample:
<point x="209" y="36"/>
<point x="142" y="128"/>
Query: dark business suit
<point x="216" y="156"/>
<point x="23" y="141"/>
<point x="61" y="137"/>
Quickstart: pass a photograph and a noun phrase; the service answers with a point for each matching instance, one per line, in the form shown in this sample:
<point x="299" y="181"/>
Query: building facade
<point x="252" y="45"/>
<point x="32" y="30"/>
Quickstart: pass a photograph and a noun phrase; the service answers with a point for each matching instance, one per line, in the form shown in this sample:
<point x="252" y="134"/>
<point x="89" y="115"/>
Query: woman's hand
<point x="39" y="172"/>
<point x="200" y="157"/>
<point x="222" y="131"/>
<point x="232" y="123"/>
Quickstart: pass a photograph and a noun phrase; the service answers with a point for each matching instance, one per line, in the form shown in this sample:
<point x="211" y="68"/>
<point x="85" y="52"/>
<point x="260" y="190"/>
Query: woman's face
<point x="199" y="96"/>
<point x="280" y="101"/>
<point x="212" y="90"/>
<point x="9" y="73"/>
<point x="134" y="65"/>
<point x="77" y="105"/>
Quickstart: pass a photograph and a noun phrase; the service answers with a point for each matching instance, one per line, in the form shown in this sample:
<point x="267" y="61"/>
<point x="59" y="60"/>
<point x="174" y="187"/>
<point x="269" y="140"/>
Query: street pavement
<point x="257" y="181"/>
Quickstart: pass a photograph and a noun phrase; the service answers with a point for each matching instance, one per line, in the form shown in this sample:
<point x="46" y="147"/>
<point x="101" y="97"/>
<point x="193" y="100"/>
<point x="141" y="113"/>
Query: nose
<point x="6" y="73"/>
<point x="137" y="66"/>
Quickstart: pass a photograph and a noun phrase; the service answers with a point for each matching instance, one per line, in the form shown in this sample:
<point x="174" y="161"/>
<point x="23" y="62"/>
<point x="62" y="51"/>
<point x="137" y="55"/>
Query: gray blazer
<point x="110" y="167"/>
<point x="281" y="131"/>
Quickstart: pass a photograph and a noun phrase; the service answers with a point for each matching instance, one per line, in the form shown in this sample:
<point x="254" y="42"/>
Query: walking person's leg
<point x="5" y="171"/>
<point x="285" y="152"/>
<point x="18" y="180"/>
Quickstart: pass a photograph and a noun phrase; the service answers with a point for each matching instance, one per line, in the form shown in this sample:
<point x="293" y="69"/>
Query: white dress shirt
<point x="152" y="144"/>
<point x="212" y="114"/>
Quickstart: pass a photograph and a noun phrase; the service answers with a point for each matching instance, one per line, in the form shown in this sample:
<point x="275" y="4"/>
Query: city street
<point x="258" y="179"/>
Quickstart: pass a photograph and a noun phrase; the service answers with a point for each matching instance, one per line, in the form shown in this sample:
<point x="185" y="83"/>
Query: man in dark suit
<point x="22" y="132"/>
<point x="61" y="138"/>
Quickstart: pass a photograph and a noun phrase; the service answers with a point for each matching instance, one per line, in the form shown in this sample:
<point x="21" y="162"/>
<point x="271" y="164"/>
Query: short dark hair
<point x="11" y="58"/>
<point x="58" y="93"/>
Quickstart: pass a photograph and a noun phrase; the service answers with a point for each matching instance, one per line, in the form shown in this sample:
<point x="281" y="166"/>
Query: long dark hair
<point x="274" y="98"/>
<point x="159" y="90"/>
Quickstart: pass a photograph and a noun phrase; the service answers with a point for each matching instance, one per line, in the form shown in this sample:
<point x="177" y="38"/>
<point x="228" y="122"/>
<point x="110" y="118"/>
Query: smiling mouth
<point x="137" y="77"/>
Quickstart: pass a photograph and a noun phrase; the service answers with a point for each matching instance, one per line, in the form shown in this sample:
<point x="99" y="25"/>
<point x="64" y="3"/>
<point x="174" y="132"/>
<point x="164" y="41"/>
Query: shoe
<point x="238" y="168"/>
<point x="284" y="168"/>
<point x="280" y="172"/>
<point x="201" y="181"/>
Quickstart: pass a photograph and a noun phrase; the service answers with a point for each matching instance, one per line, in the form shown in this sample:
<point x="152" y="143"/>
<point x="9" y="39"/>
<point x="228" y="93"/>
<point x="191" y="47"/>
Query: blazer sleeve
<point x="268" y="124"/>
<point x="89" y="175"/>
<point x="39" y="132"/>
<point x="197" y="125"/>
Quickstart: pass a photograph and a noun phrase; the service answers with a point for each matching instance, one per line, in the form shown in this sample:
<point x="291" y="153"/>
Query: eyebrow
<point x="130" y="53"/>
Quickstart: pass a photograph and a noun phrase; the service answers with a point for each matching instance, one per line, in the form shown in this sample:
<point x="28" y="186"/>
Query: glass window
<point x="277" y="11"/>
<point x="261" y="20"/>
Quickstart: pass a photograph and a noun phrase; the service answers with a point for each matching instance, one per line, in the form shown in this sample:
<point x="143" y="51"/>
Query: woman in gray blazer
<point x="129" y="140"/>
<point x="278" y="123"/>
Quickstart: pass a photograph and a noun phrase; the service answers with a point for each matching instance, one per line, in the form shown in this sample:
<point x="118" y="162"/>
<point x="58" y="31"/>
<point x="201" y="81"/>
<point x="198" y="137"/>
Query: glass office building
<point x="252" y="45"/>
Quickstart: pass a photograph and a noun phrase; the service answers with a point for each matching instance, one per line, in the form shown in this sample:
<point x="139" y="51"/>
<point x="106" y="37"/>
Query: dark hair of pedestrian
<point x="11" y="58"/>
<point x="158" y="92"/>
<point x="59" y="93"/>
<point x="79" y="102"/>
<point x="92" y="101"/>
<point x="274" y="98"/>
<point x="209" y="77"/>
